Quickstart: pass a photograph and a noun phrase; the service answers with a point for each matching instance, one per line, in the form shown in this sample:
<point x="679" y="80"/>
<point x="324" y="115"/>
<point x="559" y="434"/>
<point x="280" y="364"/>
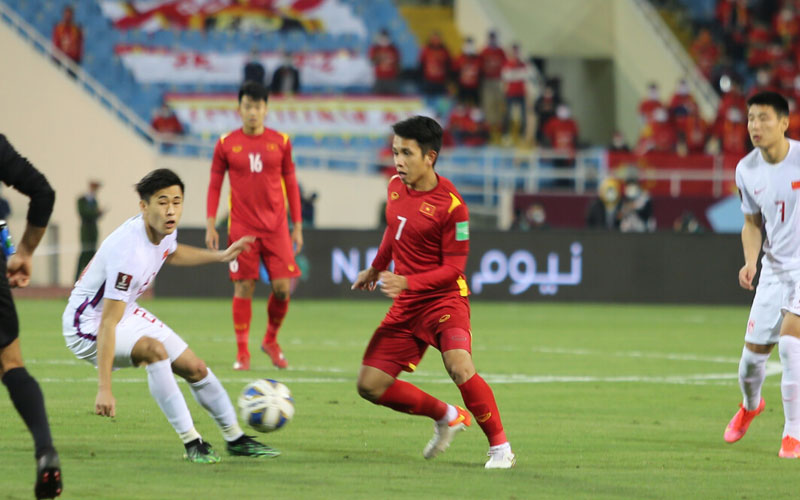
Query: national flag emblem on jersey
<point x="462" y="231"/>
<point x="427" y="209"/>
<point x="123" y="282"/>
<point x="795" y="184"/>
<point x="236" y="149"/>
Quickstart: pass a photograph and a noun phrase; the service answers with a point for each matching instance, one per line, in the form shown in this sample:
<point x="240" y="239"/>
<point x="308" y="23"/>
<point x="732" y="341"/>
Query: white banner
<point x="313" y="16"/>
<point x="215" y="114"/>
<point x="153" y="65"/>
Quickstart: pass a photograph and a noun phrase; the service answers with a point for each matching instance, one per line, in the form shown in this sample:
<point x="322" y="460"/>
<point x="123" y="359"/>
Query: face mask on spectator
<point x="762" y="78"/>
<point x="660" y="115"/>
<point x="563" y="112"/>
<point x="536" y="214"/>
<point x="611" y="195"/>
<point x="683" y="88"/>
<point x="652" y="92"/>
<point x="734" y="115"/>
<point x="618" y="141"/>
<point x="632" y="191"/>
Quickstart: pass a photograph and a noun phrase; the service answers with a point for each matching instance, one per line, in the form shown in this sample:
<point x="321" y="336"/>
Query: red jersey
<point x="386" y="60"/>
<point x="258" y="168"/>
<point x="427" y="236"/>
<point x="562" y="134"/>
<point x="435" y="62"/>
<point x="468" y="68"/>
<point x="492" y="61"/>
<point x="514" y="74"/>
<point x="69" y="39"/>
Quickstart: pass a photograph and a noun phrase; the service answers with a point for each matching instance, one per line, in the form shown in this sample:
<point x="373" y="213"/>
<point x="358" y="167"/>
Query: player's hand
<point x="366" y="280"/>
<point x="238" y="246"/>
<point x="18" y="270"/>
<point x="297" y="238"/>
<point x="746" y="275"/>
<point x="392" y="285"/>
<point x="212" y="238"/>
<point x="105" y="404"/>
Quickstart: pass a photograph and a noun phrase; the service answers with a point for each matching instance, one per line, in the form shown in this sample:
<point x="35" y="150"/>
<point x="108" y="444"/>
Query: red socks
<point x="480" y="402"/>
<point x="242" y="314"/>
<point x="407" y="398"/>
<point x="276" y="311"/>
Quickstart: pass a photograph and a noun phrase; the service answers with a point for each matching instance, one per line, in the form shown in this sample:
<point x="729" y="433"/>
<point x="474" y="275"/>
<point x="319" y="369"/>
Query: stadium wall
<point x="545" y="266"/>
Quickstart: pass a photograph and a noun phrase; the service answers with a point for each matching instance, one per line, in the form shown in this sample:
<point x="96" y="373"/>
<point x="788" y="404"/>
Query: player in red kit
<point x="427" y="237"/>
<point x="259" y="165"/>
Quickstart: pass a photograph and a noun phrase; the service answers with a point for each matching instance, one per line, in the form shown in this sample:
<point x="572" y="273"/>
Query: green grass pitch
<point x="599" y="401"/>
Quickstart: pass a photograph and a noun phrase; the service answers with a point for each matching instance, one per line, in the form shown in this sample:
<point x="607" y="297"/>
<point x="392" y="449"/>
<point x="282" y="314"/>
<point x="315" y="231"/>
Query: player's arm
<point x="751" y="244"/>
<point x="17" y="171"/>
<point x="104" y="403"/>
<point x="293" y="194"/>
<point x="186" y="255"/>
<point x="218" y="166"/>
<point x="367" y="279"/>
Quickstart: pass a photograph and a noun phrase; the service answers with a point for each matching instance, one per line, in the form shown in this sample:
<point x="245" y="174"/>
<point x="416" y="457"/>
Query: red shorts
<point x="408" y="329"/>
<point x="274" y="250"/>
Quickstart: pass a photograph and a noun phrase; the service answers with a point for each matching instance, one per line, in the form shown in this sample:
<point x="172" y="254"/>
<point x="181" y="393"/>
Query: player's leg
<point x="389" y="352"/>
<point x="243" y="272"/>
<point x="789" y="349"/>
<point x="26" y="395"/>
<point x="209" y="392"/>
<point x="278" y="258"/>
<point x="763" y="328"/>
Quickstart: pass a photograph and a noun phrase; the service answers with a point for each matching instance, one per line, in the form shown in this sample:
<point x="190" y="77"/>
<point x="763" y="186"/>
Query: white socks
<point x="752" y="371"/>
<point x="164" y="389"/>
<point x="212" y="396"/>
<point x="789" y="348"/>
<point x="449" y="415"/>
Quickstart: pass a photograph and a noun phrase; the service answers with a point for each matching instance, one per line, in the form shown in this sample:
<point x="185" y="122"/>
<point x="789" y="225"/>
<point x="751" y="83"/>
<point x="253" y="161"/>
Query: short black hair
<point x="771" y="99"/>
<point x="254" y="91"/>
<point x="157" y="180"/>
<point x="422" y="129"/>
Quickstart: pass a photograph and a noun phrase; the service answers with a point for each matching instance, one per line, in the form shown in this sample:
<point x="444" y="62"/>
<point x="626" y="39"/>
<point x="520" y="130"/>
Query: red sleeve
<point x="290" y="181"/>
<point x="384" y="255"/>
<point x="218" y="166"/>
<point x="455" y="248"/>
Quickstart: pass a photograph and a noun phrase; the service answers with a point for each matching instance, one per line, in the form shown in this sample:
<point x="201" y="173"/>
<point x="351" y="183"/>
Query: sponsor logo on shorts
<point x="233" y="266"/>
<point x="123" y="282"/>
<point x="444" y="318"/>
<point x="483" y="418"/>
<point x="394" y="195"/>
<point x="427" y="209"/>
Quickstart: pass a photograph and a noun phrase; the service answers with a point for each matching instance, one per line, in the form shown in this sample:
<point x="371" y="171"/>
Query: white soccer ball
<point x="266" y="405"/>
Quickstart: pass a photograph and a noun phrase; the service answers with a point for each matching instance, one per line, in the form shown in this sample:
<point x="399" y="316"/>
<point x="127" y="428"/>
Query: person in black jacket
<point x="15" y="271"/>
<point x="286" y="79"/>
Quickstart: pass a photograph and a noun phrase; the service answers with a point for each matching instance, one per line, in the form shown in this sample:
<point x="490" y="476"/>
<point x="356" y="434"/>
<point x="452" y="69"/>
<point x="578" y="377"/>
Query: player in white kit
<point x="104" y="325"/>
<point x="768" y="179"/>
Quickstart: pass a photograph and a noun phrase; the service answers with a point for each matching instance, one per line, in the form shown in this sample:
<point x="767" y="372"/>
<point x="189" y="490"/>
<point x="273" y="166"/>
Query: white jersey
<point x="124" y="266"/>
<point x="773" y="190"/>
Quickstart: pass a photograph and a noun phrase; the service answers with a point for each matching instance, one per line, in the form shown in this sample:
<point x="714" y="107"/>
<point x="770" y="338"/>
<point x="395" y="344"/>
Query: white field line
<point x="342" y="375"/>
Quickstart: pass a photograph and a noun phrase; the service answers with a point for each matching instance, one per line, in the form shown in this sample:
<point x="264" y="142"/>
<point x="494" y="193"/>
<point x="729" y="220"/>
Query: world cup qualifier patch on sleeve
<point x="123" y="282"/>
<point x="462" y="231"/>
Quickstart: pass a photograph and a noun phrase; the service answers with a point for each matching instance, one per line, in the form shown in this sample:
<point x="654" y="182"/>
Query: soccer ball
<point x="266" y="405"/>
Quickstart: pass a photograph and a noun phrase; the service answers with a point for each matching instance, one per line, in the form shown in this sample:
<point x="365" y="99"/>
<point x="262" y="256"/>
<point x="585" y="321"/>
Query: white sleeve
<point x="749" y="204"/>
<point x="121" y="271"/>
<point x="173" y="245"/>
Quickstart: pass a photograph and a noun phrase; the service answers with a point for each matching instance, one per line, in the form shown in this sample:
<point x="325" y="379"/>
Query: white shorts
<point x="130" y="329"/>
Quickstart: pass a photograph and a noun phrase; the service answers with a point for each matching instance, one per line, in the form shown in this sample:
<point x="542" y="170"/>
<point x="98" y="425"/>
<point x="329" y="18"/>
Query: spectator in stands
<point x="731" y="135"/>
<point x="493" y="58"/>
<point x="165" y="121"/>
<point x="307" y="201"/>
<point x="688" y="223"/>
<point x="286" y="78"/>
<point x="705" y="52"/>
<point x="636" y="210"/>
<point x="681" y="100"/>
<point x="515" y="75"/>
<point x="545" y="108"/>
<point x="68" y="36"/>
<point x="90" y="212"/>
<point x="651" y="102"/>
<point x="618" y="144"/>
<point x="603" y="211"/>
<point x="561" y="131"/>
<point x="386" y="60"/>
<point x="732" y="97"/>
<point x="254" y="70"/>
<point x="786" y="25"/>
<point x="533" y="219"/>
<point x="434" y="62"/>
<point x="467" y="125"/>
<point x="660" y="136"/>
<point x="793" y="132"/>
<point x="467" y="70"/>
<point x="692" y="134"/>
